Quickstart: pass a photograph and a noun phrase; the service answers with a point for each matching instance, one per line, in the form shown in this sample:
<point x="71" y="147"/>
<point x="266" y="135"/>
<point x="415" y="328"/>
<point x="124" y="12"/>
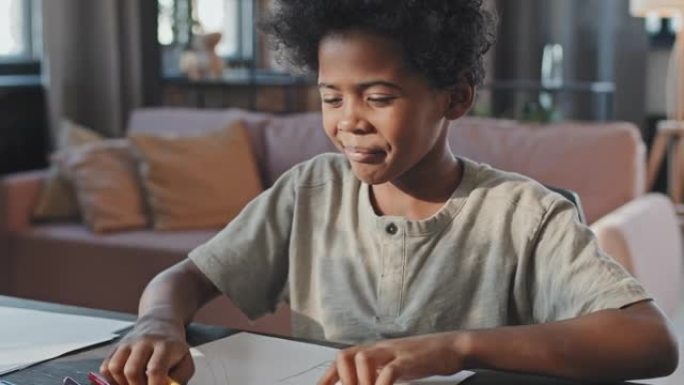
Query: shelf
<point x="533" y="85"/>
<point x="243" y="77"/>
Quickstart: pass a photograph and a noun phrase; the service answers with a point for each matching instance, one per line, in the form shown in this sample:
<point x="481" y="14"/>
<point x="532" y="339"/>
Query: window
<point x="180" y="19"/>
<point x="17" y="31"/>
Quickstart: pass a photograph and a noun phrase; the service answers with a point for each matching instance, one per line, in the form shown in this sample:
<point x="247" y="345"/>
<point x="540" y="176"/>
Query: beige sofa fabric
<point x="197" y="181"/>
<point x="57" y="199"/>
<point x="107" y="185"/>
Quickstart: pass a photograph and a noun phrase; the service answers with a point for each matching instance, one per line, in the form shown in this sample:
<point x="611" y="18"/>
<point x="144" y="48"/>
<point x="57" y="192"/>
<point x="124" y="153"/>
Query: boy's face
<point x="383" y="117"/>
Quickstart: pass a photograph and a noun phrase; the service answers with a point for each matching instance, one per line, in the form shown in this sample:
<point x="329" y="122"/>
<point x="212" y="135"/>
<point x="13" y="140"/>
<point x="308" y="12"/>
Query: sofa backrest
<point x="292" y="139"/>
<point x="603" y="162"/>
<point x="193" y="121"/>
<point x="279" y="142"/>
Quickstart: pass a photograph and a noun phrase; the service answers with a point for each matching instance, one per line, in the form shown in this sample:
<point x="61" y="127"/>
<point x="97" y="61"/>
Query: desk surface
<point x="78" y="364"/>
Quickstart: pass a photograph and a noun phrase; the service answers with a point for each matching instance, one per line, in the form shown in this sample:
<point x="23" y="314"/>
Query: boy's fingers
<point x="365" y="368"/>
<point x="183" y="371"/>
<point x="104" y="368"/>
<point x="330" y="377"/>
<point x="134" y="370"/>
<point x="346" y="369"/>
<point x="158" y="366"/>
<point x="116" y="364"/>
<point x="368" y="361"/>
<point x="389" y="374"/>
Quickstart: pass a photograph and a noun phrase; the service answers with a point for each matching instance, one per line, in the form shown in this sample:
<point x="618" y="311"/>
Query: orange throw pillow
<point x="197" y="181"/>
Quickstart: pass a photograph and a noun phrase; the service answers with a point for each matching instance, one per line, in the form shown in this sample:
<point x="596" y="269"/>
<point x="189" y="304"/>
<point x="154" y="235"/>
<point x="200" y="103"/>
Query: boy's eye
<point x="380" y="100"/>
<point x="332" y="101"/>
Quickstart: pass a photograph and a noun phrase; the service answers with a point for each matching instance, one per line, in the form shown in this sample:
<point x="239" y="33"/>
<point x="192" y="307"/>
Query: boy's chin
<point x="368" y="176"/>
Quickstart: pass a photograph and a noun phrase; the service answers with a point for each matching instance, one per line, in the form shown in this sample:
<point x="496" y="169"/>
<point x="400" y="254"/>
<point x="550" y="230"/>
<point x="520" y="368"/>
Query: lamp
<point x="675" y="73"/>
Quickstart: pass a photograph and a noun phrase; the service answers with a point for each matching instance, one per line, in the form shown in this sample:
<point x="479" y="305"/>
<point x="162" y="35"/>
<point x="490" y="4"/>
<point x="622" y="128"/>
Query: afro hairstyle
<point x="443" y="40"/>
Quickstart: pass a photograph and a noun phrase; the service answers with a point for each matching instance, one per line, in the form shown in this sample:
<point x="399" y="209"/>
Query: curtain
<point x="92" y="62"/>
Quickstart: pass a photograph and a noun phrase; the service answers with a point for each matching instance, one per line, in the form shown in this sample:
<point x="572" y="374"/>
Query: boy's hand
<point x="388" y="361"/>
<point x="149" y="354"/>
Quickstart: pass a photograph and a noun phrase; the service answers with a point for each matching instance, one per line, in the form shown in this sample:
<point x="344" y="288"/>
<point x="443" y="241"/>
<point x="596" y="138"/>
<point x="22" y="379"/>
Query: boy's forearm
<point x="608" y="345"/>
<point x="176" y="294"/>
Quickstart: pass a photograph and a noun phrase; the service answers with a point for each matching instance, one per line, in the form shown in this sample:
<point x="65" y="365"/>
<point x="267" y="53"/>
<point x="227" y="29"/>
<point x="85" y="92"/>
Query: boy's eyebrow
<point x="364" y="85"/>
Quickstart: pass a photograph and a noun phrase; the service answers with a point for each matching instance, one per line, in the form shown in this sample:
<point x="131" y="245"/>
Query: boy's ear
<point x="461" y="98"/>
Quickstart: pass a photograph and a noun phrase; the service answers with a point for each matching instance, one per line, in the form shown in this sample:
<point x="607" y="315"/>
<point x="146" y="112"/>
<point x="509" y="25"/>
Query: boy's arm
<point x="156" y="348"/>
<point x="177" y="293"/>
<point x="609" y="345"/>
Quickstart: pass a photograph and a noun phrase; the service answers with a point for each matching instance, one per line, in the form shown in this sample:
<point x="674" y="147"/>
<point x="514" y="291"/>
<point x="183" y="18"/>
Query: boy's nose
<point x="353" y="121"/>
<point x="356" y="126"/>
<point x="346" y="124"/>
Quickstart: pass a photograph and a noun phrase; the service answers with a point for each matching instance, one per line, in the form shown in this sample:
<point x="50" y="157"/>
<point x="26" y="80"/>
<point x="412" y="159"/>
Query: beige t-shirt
<point x="503" y="250"/>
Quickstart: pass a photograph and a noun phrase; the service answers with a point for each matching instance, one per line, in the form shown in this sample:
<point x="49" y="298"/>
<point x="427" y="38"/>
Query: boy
<point x="431" y="263"/>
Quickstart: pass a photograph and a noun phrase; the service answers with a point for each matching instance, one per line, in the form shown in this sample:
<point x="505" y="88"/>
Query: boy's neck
<point x="423" y="190"/>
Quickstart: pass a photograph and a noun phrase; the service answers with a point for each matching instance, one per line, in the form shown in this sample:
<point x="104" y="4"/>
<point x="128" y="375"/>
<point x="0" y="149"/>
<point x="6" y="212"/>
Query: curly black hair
<point x="443" y="40"/>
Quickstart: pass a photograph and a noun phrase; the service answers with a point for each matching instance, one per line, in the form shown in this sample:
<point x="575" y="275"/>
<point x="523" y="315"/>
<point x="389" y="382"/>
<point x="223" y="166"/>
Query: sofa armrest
<point x="644" y="236"/>
<point x="18" y="195"/>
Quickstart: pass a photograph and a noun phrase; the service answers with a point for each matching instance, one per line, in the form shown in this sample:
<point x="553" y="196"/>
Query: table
<point x="78" y="364"/>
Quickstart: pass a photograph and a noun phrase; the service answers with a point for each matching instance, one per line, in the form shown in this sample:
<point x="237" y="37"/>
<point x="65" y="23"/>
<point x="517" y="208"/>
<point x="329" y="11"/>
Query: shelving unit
<point x="600" y="93"/>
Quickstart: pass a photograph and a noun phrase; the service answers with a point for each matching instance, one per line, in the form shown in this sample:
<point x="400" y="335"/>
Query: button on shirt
<point x="502" y="250"/>
<point x="391" y="229"/>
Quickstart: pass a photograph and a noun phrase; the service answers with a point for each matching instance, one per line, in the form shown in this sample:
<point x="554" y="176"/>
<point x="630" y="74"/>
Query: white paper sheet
<point x="250" y="359"/>
<point x="31" y="336"/>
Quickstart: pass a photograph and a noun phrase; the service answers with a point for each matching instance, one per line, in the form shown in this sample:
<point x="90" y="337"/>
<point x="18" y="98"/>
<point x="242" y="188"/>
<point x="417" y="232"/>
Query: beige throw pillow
<point x="57" y="199"/>
<point x="198" y="181"/>
<point x="107" y="185"/>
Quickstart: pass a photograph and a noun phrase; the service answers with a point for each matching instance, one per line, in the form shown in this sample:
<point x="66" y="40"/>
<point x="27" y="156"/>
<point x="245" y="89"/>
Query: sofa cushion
<point x="192" y="121"/>
<point x="176" y="242"/>
<point x="57" y="199"/>
<point x="200" y="181"/>
<point x="292" y="139"/>
<point x="68" y="263"/>
<point x="603" y="162"/>
<point x="107" y="185"/>
<point x="114" y="269"/>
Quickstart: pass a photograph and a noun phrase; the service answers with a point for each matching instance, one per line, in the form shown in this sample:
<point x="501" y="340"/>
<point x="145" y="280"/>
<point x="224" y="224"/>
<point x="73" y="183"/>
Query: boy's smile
<point x="386" y="119"/>
<point x="370" y="155"/>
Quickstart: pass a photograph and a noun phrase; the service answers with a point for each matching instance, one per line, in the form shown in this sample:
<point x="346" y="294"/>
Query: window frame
<point x="26" y="62"/>
<point x="245" y="50"/>
<point x="245" y="47"/>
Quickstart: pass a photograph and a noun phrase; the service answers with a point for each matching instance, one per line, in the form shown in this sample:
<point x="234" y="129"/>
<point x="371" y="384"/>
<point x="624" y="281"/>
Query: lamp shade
<point x="661" y="8"/>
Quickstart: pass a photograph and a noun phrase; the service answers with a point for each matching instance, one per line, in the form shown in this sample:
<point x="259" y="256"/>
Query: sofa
<point x="604" y="163"/>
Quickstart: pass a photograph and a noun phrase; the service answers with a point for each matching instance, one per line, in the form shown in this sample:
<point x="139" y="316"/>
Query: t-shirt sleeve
<point x="248" y="259"/>
<point x="572" y="275"/>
